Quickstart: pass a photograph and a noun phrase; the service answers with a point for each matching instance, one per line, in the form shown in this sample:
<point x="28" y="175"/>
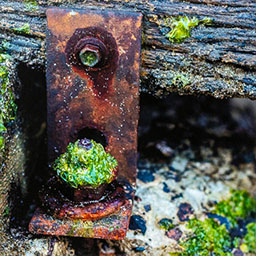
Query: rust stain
<point x="99" y="77"/>
<point x="104" y="97"/>
<point x="58" y="200"/>
<point x="111" y="227"/>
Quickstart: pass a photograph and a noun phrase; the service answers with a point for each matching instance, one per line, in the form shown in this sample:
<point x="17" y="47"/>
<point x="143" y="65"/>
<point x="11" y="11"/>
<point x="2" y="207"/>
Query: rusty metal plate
<point x="102" y="97"/>
<point x="113" y="227"/>
<point x="107" y="98"/>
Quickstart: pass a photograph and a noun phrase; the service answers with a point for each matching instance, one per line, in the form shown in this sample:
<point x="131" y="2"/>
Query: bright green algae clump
<point x="210" y="238"/>
<point x="181" y="27"/>
<point x="238" y="206"/>
<point x="85" y="163"/>
<point x="249" y="244"/>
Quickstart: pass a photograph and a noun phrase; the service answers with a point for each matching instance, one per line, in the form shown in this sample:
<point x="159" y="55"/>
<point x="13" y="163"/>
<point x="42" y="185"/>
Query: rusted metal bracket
<point x="93" y="60"/>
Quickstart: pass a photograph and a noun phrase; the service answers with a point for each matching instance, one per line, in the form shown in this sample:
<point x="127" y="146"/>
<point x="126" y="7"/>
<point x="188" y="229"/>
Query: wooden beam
<point x="218" y="59"/>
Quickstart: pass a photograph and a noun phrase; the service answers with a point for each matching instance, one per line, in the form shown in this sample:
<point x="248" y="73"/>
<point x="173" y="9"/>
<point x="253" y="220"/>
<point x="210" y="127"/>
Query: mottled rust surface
<point x="58" y="200"/>
<point x="106" y="97"/>
<point x="112" y="227"/>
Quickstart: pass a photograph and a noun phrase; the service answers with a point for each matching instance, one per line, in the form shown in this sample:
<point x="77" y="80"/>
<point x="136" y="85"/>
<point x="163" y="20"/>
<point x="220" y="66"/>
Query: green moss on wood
<point x="31" y="5"/>
<point x="181" y="27"/>
<point x="4" y="46"/>
<point x="7" y="105"/>
<point x="6" y="212"/>
<point x="180" y="80"/>
<point x="25" y="29"/>
<point x="86" y="165"/>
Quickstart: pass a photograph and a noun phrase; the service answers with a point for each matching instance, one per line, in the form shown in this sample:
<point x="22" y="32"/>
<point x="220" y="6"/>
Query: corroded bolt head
<point x="90" y="55"/>
<point x="85" y="143"/>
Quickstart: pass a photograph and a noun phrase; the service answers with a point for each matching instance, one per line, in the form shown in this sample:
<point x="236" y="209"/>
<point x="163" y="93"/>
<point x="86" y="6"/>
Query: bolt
<point x="90" y="55"/>
<point x="85" y="143"/>
<point x="90" y="52"/>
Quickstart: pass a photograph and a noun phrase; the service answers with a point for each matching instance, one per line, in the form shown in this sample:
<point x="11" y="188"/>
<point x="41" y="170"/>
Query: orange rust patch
<point x="112" y="227"/>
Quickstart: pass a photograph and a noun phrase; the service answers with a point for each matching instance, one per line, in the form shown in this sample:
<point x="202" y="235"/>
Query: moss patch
<point x="31" y="5"/>
<point x="6" y="212"/>
<point x="208" y="237"/>
<point x="181" y="27"/>
<point x="88" y="58"/>
<point x="166" y="224"/>
<point x="7" y="105"/>
<point x="239" y="206"/>
<point x="180" y="80"/>
<point x="81" y="228"/>
<point x="249" y="244"/>
<point x="85" y="163"/>
<point x="25" y="29"/>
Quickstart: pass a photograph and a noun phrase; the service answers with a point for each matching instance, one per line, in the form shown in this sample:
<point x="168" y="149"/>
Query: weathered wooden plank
<point x="218" y="59"/>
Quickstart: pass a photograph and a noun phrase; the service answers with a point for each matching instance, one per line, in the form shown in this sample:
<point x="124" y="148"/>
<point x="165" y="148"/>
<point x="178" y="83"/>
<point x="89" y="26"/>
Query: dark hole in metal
<point x="92" y="134"/>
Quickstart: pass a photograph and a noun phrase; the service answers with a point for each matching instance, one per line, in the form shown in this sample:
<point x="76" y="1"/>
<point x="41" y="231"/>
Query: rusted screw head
<point x="90" y="55"/>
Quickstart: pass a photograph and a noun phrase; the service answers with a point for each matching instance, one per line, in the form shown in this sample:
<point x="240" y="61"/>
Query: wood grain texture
<point x="218" y="59"/>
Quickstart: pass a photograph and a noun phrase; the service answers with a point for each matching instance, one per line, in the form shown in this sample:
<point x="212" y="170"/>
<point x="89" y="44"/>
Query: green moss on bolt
<point x="85" y="163"/>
